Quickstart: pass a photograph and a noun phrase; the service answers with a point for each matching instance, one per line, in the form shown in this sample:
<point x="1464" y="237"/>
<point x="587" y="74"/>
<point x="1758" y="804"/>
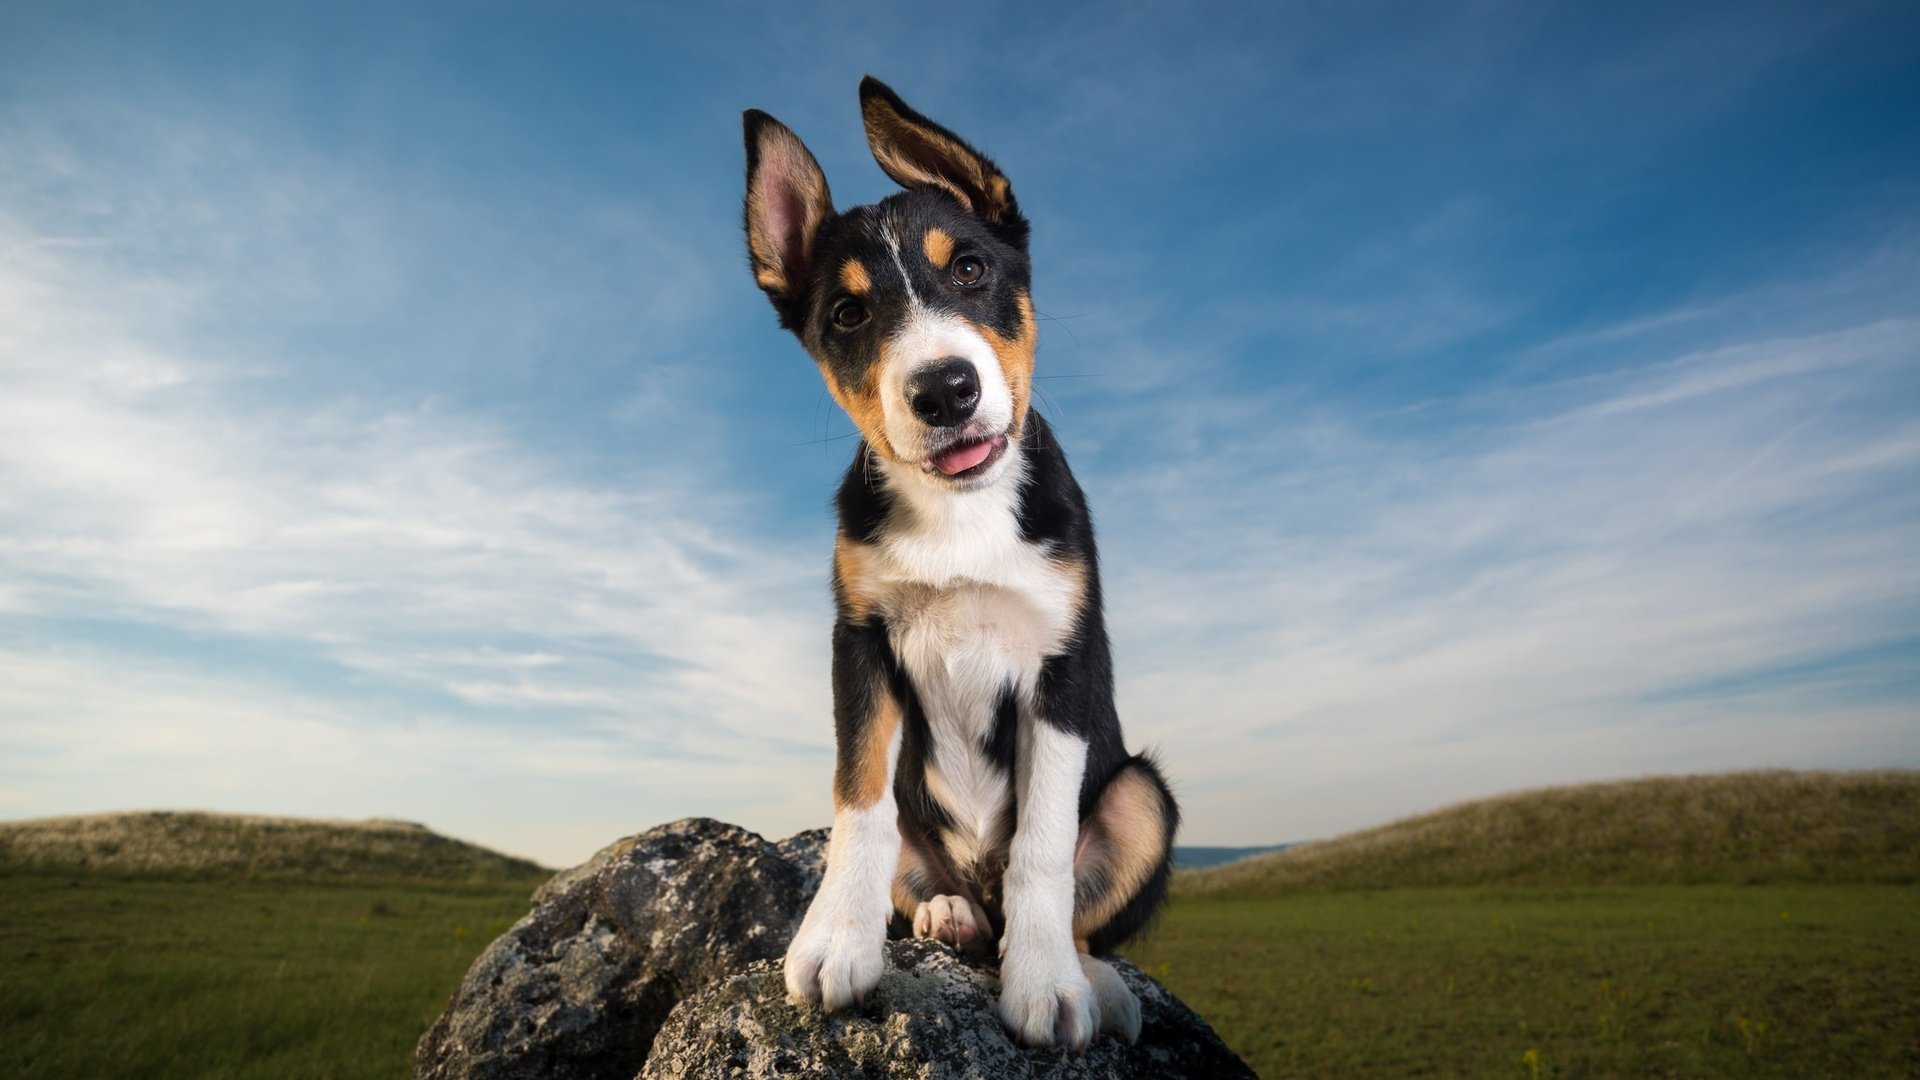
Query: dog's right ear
<point x="916" y="152"/>
<point x="787" y="200"/>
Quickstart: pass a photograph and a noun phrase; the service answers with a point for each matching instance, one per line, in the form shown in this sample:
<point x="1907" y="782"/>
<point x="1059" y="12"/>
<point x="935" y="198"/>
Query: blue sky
<point x="1470" y="397"/>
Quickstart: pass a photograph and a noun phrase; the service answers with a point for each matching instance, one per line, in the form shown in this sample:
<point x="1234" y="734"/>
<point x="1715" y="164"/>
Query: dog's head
<point x="916" y="308"/>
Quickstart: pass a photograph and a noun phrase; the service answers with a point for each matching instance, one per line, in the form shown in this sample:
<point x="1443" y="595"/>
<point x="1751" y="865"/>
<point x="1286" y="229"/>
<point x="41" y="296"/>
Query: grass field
<point x="1751" y="925"/>
<point x="105" y="976"/>
<point x="1627" y="981"/>
<point x="113" y="977"/>
<point x="1744" y="924"/>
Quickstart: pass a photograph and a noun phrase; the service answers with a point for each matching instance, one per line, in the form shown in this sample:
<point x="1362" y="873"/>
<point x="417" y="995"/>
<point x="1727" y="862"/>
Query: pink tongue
<point x="962" y="458"/>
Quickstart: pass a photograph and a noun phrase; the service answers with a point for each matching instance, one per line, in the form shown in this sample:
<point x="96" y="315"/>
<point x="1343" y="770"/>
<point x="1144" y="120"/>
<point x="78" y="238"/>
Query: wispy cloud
<point x="1467" y="398"/>
<point x="91" y="728"/>
<point x="158" y="478"/>
<point x="1399" y="615"/>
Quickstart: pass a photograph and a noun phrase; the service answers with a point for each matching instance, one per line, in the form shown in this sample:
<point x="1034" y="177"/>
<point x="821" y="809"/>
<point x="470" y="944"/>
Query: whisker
<point x="1062" y="320"/>
<point x="1052" y="405"/>
<point x="824" y="440"/>
<point x="822" y="426"/>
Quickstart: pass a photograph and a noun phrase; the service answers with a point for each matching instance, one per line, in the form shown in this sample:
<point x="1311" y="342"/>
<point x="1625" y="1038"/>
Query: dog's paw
<point x="1046" y="1000"/>
<point x="955" y="921"/>
<point x="834" y="960"/>
<point x="1119" y="1008"/>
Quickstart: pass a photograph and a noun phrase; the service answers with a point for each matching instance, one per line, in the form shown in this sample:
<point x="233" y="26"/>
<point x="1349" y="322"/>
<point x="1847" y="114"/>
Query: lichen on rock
<point x="931" y="1018"/>
<point x="578" y="987"/>
<point x="660" y="957"/>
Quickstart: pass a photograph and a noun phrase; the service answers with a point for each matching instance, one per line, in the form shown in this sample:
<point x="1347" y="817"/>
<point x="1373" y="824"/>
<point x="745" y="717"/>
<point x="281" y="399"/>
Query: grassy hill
<point x="206" y="846"/>
<point x="1757" y="925"/>
<point x="1775" y="826"/>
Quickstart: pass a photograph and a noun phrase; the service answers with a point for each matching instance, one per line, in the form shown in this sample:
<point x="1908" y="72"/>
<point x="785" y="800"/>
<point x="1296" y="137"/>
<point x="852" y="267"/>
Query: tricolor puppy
<point x="981" y="788"/>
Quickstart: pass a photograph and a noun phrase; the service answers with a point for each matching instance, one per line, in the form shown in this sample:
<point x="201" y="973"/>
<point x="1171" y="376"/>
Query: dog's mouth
<point x="968" y="458"/>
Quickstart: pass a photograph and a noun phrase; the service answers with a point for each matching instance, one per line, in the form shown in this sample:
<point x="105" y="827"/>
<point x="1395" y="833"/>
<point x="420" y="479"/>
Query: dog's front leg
<point x="1045" y="999"/>
<point x="835" y="957"/>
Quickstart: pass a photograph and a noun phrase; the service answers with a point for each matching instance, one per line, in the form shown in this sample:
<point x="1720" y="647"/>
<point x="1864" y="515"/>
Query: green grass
<point x="1707" y="980"/>
<point x="107" y="976"/>
<point x="1759" y="924"/>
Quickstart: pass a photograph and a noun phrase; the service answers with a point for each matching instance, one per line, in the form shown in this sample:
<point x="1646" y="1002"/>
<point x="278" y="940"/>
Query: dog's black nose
<point x="945" y="394"/>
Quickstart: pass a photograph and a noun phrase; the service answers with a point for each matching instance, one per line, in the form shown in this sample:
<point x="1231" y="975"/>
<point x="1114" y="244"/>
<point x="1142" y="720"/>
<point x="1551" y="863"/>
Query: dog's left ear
<point x="787" y="200"/>
<point x="916" y="152"/>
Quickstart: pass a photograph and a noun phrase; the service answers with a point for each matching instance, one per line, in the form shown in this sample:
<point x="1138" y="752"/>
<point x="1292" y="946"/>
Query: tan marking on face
<point x="864" y="779"/>
<point x="854" y="277"/>
<point x="1016" y="360"/>
<point x="862" y="406"/>
<point x="853" y="578"/>
<point x="1131" y="821"/>
<point x="938" y="246"/>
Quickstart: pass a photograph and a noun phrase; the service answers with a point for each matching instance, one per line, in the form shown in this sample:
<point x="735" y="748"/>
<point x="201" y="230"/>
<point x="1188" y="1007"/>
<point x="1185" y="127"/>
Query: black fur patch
<point x="863" y="507"/>
<point x="1003" y="741"/>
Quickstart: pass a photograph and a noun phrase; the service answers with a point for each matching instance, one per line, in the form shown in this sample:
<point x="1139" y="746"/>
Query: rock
<point x="684" y="926"/>
<point x="931" y="1018"/>
<point x="578" y="987"/>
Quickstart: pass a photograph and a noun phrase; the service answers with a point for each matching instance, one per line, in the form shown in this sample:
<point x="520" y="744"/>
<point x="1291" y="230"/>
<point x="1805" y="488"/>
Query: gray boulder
<point x="577" y="988"/>
<point x="684" y="926"/>
<point x="931" y="1018"/>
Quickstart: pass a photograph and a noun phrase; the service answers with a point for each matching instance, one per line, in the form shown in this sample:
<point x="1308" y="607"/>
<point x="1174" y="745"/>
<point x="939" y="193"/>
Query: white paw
<point x="954" y="920"/>
<point x="1119" y="1008"/>
<point x="835" y="959"/>
<point x="1045" y="999"/>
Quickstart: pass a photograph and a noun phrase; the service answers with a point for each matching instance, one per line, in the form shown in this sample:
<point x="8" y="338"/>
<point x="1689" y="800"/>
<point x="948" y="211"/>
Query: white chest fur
<point x="972" y="610"/>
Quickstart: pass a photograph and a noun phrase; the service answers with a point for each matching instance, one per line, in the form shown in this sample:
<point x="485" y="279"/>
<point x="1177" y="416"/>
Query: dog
<point x="982" y="791"/>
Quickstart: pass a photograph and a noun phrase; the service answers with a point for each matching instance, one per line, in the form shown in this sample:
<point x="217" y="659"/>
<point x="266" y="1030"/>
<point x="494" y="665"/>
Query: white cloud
<point x="228" y="581"/>
<point x="1325" y="621"/>
<point x="165" y="479"/>
<point x="89" y="729"/>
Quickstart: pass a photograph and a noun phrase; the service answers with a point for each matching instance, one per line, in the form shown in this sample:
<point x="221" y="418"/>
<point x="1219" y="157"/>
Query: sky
<point x="1470" y="397"/>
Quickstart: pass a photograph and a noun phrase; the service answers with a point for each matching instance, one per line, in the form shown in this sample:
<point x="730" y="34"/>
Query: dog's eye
<point x="968" y="270"/>
<point x="848" y="314"/>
